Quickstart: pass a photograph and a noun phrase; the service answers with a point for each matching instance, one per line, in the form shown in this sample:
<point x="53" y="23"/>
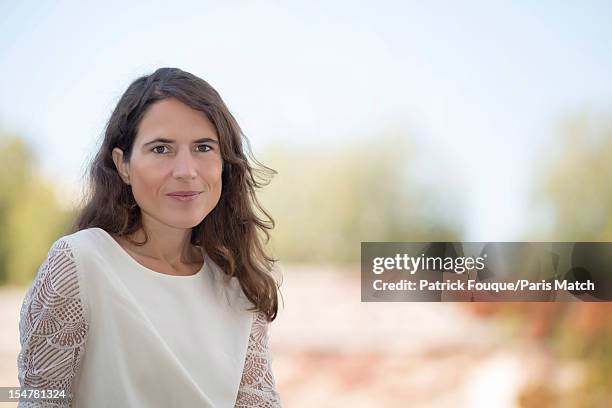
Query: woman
<point x="162" y="294"/>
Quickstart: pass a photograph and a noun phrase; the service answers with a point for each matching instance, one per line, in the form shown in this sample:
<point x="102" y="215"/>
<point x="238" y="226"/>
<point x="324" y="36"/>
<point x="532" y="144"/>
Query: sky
<point x="479" y="86"/>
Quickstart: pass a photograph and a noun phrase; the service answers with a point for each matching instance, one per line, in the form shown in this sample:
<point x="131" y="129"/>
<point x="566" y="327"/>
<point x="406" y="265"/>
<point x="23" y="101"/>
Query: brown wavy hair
<point x="232" y="233"/>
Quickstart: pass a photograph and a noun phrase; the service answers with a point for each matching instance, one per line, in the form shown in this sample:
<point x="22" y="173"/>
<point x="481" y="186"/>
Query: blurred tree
<point x="572" y="201"/>
<point x="573" y="196"/>
<point x="30" y="216"/>
<point x="326" y="200"/>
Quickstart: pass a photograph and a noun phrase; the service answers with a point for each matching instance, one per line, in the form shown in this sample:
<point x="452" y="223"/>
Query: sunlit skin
<point x="156" y="168"/>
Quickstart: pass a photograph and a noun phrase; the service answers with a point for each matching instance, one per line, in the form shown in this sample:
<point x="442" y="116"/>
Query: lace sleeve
<point x="52" y="326"/>
<point x="257" y="387"/>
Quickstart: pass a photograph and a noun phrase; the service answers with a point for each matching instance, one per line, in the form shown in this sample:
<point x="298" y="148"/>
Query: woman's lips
<point x="183" y="197"/>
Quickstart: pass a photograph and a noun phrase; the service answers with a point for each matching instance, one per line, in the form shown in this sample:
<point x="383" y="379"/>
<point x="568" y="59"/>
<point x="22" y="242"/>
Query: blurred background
<point x="391" y="121"/>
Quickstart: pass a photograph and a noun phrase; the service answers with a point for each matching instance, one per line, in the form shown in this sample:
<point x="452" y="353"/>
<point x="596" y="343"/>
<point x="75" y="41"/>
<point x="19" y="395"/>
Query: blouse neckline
<point x="149" y="271"/>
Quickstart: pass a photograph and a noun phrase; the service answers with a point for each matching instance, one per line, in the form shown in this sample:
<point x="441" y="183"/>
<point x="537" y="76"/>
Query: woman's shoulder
<point x="229" y="284"/>
<point x="219" y="275"/>
<point x="82" y="246"/>
<point x="82" y="239"/>
<point x="76" y="256"/>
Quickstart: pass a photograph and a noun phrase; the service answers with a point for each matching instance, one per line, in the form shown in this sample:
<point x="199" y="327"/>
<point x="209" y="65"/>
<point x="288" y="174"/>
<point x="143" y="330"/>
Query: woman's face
<point x="176" y="150"/>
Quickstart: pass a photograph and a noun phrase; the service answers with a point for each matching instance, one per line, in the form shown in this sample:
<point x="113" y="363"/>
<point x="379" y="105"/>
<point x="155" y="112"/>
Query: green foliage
<point x="30" y="216"/>
<point x="326" y="200"/>
<point x="574" y="191"/>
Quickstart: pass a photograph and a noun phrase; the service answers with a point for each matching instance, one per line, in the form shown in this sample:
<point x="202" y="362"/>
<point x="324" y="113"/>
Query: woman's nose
<point x="184" y="165"/>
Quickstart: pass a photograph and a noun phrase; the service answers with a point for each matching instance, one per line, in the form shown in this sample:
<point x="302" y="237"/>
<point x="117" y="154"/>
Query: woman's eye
<point x="156" y="149"/>
<point x="201" y="148"/>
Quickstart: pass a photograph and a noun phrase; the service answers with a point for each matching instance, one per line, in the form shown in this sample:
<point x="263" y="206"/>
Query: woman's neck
<point x="165" y="244"/>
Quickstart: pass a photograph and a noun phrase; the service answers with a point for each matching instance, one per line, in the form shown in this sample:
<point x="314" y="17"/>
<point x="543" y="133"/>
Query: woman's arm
<point x="52" y="327"/>
<point x="257" y="387"/>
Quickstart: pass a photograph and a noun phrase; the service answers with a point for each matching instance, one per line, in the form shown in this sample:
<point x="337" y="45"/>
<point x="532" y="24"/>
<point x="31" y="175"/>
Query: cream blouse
<point x="117" y="334"/>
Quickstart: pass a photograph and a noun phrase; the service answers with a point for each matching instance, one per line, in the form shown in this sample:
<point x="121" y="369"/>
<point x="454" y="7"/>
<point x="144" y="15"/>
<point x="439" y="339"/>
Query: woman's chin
<point x="183" y="222"/>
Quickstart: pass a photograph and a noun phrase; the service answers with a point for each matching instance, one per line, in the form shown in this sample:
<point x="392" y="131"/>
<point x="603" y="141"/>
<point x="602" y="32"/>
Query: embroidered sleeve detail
<point x="257" y="387"/>
<point x="53" y="326"/>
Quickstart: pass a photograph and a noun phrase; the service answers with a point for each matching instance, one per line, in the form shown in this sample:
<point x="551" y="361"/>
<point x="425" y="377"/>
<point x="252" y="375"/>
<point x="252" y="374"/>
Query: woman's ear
<point x="122" y="167"/>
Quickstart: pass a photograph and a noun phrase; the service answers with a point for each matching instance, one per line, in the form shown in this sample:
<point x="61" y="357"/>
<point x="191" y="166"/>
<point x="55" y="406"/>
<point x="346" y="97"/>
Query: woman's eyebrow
<point x="164" y="140"/>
